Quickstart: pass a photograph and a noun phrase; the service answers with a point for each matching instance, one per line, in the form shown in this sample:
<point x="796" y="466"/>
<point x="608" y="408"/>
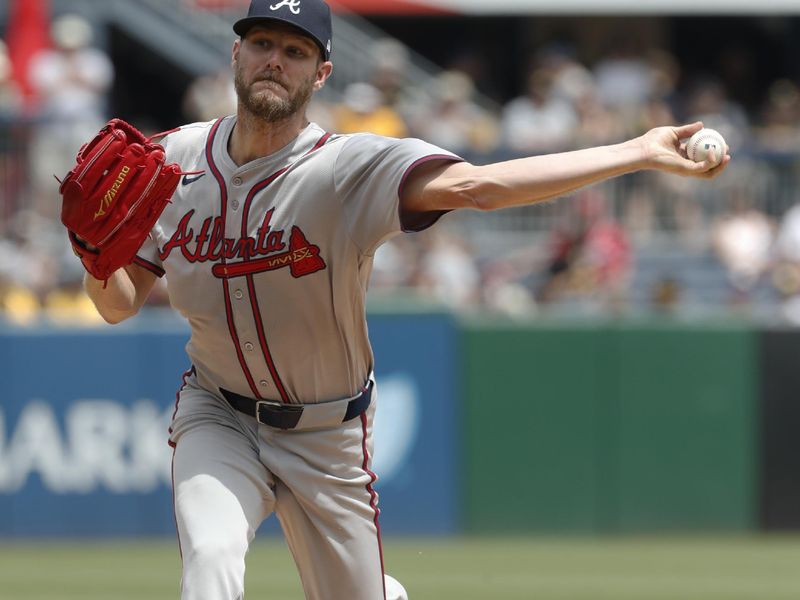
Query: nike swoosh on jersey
<point x="187" y="180"/>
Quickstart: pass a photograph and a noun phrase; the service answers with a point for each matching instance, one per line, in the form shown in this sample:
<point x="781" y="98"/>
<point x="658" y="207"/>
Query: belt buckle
<point x="269" y="404"/>
<point x="283" y="416"/>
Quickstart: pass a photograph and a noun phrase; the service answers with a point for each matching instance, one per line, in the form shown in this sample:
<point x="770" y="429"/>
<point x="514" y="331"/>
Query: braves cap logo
<point x="294" y="6"/>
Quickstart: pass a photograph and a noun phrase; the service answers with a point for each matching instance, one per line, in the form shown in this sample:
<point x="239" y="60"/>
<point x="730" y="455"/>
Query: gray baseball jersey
<point x="270" y="261"/>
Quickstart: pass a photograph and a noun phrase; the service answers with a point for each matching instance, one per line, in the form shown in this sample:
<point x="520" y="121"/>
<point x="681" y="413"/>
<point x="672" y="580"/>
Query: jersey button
<point x="263" y="383"/>
<point x="237" y="181"/>
<point x="238" y="294"/>
<point x="235" y="204"/>
<point x="249" y="347"/>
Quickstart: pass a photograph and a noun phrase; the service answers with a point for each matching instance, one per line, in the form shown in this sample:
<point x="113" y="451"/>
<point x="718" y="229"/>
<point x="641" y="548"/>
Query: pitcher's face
<point x="276" y="70"/>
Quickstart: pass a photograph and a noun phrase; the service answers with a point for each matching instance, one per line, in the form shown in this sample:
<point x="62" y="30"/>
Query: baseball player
<point x="267" y="248"/>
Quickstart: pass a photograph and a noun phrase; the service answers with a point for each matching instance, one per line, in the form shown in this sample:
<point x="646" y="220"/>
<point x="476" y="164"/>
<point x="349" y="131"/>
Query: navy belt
<point x="287" y="416"/>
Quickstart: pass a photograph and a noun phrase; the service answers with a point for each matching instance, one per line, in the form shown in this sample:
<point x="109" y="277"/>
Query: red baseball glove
<point x="114" y="195"/>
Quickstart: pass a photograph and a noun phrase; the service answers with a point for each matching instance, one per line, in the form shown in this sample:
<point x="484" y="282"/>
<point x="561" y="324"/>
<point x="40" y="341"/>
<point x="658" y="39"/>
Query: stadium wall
<point x="84" y="418"/>
<point x="610" y="428"/>
<point x="485" y="427"/>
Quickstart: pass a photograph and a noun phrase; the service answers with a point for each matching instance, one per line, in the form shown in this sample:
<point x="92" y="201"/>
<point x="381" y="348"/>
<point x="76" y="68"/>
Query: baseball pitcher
<point x="267" y="246"/>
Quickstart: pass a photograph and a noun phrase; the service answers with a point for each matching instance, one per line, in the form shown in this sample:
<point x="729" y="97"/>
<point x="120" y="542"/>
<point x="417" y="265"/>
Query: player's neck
<point x="254" y="138"/>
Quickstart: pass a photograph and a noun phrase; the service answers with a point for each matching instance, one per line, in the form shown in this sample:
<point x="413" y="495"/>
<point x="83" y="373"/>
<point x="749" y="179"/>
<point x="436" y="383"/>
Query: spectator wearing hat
<point x="72" y="80"/>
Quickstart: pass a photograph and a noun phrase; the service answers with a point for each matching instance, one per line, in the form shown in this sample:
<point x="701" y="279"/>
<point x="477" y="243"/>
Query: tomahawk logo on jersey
<point x="209" y="244"/>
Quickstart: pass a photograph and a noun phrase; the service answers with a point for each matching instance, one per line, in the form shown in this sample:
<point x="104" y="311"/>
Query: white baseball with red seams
<point x="705" y="141"/>
<point x="269" y="262"/>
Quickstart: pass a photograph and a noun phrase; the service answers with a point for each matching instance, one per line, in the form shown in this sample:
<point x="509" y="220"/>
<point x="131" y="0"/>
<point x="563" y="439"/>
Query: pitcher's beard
<point x="269" y="107"/>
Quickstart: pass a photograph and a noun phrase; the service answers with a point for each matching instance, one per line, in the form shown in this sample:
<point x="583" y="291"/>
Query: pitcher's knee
<point x="214" y="566"/>
<point x="214" y="553"/>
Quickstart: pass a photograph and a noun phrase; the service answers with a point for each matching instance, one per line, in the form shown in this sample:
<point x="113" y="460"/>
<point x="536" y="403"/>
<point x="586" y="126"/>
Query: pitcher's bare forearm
<point x="535" y="179"/>
<point x="122" y="295"/>
<point x="449" y="186"/>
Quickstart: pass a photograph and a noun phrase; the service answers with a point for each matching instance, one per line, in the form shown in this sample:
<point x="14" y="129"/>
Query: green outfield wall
<point x="610" y="428"/>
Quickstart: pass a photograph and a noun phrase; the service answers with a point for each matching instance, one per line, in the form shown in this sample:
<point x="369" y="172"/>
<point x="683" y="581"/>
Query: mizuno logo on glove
<point x="108" y="197"/>
<point x="114" y="194"/>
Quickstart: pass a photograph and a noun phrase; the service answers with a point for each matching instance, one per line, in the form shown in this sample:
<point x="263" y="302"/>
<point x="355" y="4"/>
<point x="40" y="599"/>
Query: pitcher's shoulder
<point x="187" y="142"/>
<point x="190" y="134"/>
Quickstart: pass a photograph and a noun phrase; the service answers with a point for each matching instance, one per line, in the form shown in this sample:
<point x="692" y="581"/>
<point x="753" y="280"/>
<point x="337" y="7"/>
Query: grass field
<point x="673" y="568"/>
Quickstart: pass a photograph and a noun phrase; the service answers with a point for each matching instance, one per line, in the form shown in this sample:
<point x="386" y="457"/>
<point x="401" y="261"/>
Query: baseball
<point x="704" y="140"/>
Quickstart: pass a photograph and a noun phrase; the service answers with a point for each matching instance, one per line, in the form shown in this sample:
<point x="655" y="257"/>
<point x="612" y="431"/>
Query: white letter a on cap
<point x="294" y="6"/>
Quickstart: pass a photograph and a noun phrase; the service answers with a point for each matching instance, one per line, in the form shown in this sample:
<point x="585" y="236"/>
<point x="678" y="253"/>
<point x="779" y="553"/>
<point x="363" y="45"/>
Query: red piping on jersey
<point x="146" y="264"/>
<point x="174" y="507"/>
<point x="178" y="399"/>
<point x="435" y="215"/>
<point x="262" y="337"/>
<point x="172" y="464"/>
<point x="418" y="162"/>
<point x="265" y="182"/>
<point x="223" y="190"/>
<point x="373" y="496"/>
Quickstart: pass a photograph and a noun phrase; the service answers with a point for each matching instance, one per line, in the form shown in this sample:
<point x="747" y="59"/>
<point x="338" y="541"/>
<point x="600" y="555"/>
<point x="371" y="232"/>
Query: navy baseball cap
<point x="311" y="16"/>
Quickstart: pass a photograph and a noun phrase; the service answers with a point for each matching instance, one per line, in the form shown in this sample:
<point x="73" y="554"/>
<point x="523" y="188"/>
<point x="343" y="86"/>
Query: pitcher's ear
<point x="324" y="71"/>
<point x="237" y="45"/>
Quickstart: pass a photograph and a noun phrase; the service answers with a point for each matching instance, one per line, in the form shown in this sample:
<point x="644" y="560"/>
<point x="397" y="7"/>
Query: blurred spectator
<point x="787" y="241"/>
<point x="738" y="66"/>
<point x="786" y="271"/>
<point x="539" y="121"/>
<point x="453" y="120"/>
<point x="742" y="241"/>
<point x="28" y="265"/>
<point x="390" y="74"/>
<point x="447" y="270"/>
<point x="10" y="94"/>
<point x="69" y="305"/>
<point x="665" y="72"/>
<point x="320" y="111"/>
<point x="571" y="80"/>
<point x="659" y="109"/>
<point x="590" y="258"/>
<point x="12" y="167"/>
<point x="390" y="63"/>
<point x="17" y="303"/>
<point x="395" y="264"/>
<point x="666" y="295"/>
<point x="779" y="130"/>
<point x="72" y="81"/>
<point x="210" y="96"/>
<point x="27" y="33"/>
<point x="475" y="63"/>
<point x="654" y="113"/>
<point x="597" y="123"/>
<point x="623" y="77"/>
<point x="503" y="286"/>
<point x="362" y="109"/>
